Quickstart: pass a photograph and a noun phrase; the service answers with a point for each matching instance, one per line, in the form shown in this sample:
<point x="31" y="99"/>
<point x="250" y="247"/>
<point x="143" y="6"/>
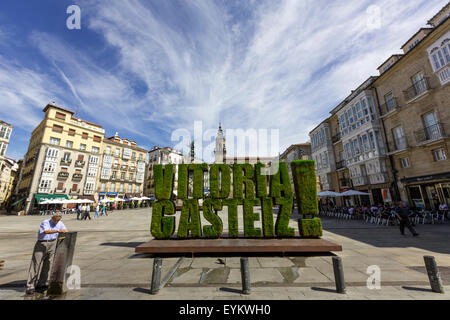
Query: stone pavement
<point x="111" y="270"/>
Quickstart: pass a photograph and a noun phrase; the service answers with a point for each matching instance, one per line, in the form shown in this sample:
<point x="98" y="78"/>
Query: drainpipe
<point x="391" y="161"/>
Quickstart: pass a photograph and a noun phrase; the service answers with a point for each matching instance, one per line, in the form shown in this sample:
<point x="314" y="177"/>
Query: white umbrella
<point x="354" y="193"/>
<point x="135" y="198"/>
<point x="119" y="199"/>
<point x="328" y="194"/>
<point x="145" y="198"/>
<point x="45" y="202"/>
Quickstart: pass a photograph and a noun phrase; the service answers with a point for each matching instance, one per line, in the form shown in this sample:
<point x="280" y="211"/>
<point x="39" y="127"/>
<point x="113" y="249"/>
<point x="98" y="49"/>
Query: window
<point x="97" y="139"/>
<point x="399" y="138"/>
<point x="55" y="141"/>
<point x="45" y="183"/>
<point x="121" y="187"/>
<point x="114" y="174"/>
<point x="3" y="132"/>
<point x="140" y="157"/>
<point x="60" y="116"/>
<point x="92" y="172"/>
<point x="84" y="135"/>
<point x="122" y="176"/>
<point x="66" y="156"/>
<point x="57" y="128"/>
<point x="74" y="187"/>
<point x="52" y="153"/>
<point x="82" y="146"/>
<point x="439" y="154"/>
<point x="390" y="102"/>
<point x="117" y="152"/>
<point x="71" y="132"/>
<point x="69" y="144"/>
<point x="131" y="176"/>
<point x="108" y="150"/>
<point x="133" y="155"/>
<point x="404" y="162"/>
<point x="418" y="83"/>
<point x="60" y="186"/>
<point x="103" y="186"/>
<point x="112" y="187"/>
<point x="432" y="128"/>
<point x="80" y="157"/>
<point x="138" y="189"/>
<point x="95" y="150"/>
<point x="49" y="167"/>
<point x="365" y="142"/>
<point x="129" y="188"/>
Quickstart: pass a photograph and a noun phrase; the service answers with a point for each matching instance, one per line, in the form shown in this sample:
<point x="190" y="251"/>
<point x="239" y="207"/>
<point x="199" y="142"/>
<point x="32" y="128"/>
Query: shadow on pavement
<point x="231" y="290"/>
<point x="142" y="290"/>
<point x="323" y="289"/>
<point x="18" y="285"/>
<point x="433" y="238"/>
<point x="417" y="289"/>
<point x="122" y="244"/>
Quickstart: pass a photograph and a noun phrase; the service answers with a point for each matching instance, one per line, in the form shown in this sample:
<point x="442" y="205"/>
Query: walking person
<point x="104" y="209"/>
<point x="86" y="208"/>
<point x="79" y="209"/>
<point x="443" y="210"/>
<point x="97" y="211"/>
<point x="43" y="253"/>
<point x="402" y="213"/>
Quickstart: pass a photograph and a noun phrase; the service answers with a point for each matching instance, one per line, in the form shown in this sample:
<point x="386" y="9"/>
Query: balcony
<point x="60" y="190"/>
<point x="63" y="175"/>
<point x="376" y="178"/>
<point x="418" y="89"/>
<point x="88" y="192"/>
<point x="397" y="145"/>
<point x="430" y="134"/>
<point x="360" y="181"/>
<point x="44" y="190"/>
<point x="66" y="162"/>
<point x="115" y="166"/>
<point x="340" y="164"/>
<point x="123" y="168"/>
<point x="74" y="191"/>
<point x="77" y="176"/>
<point x="132" y="169"/>
<point x="80" y="163"/>
<point x="336" y="138"/>
<point x="390" y="107"/>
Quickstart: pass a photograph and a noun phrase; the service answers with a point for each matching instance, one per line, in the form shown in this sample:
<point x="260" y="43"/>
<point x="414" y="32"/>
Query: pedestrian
<point x="97" y="211"/>
<point x="79" y="209"/>
<point x="443" y="210"/>
<point x="43" y="253"/>
<point x="103" y="211"/>
<point x="402" y="213"/>
<point x="87" y="208"/>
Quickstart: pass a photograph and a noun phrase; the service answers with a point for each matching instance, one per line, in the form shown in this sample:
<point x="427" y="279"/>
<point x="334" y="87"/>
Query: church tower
<point x="220" y="150"/>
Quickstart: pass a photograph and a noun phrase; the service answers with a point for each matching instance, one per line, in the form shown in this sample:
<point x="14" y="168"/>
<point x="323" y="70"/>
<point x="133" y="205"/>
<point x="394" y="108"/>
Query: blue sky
<point x="147" y="68"/>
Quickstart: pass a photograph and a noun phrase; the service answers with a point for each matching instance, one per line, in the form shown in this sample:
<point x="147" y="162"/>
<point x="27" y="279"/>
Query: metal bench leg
<point x="339" y="275"/>
<point x="156" y="275"/>
<point x="245" y="274"/>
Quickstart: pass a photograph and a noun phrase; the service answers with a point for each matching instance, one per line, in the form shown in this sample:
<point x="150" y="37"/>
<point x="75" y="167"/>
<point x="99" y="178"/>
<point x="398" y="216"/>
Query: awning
<point x="87" y="198"/>
<point x="42" y="197"/>
<point x="15" y="203"/>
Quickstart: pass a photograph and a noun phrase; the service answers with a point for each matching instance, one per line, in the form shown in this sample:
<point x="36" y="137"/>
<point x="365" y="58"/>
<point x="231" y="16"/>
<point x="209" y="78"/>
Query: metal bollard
<point x="433" y="274"/>
<point x="245" y="275"/>
<point x="339" y="275"/>
<point x="156" y="275"/>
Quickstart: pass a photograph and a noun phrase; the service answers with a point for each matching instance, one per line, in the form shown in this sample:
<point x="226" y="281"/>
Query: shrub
<point x="210" y="208"/>
<point x="267" y="217"/>
<point x="162" y="226"/>
<point x="282" y="228"/>
<point x="190" y="220"/>
<point x="249" y="219"/>
<point x="220" y="188"/>
<point x="182" y="191"/>
<point x="233" y="224"/>
<point x="304" y="174"/>
<point x="310" y="228"/>
<point x="261" y="181"/>
<point x="243" y="176"/>
<point x="280" y="183"/>
<point x="164" y="179"/>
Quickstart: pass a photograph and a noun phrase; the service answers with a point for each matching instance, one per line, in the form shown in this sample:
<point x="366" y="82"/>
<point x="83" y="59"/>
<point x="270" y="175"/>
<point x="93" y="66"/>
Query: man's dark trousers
<point x="406" y="223"/>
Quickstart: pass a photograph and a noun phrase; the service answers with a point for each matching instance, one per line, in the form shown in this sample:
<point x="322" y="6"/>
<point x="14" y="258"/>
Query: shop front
<point x="427" y="192"/>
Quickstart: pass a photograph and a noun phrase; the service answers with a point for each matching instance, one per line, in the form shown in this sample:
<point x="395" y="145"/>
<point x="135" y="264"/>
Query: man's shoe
<point x="29" y="291"/>
<point x="415" y="234"/>
<point x="41" y="289"/>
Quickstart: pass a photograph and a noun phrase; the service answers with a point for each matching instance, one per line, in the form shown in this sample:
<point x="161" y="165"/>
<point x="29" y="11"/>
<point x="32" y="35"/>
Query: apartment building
<point x="62" y="158"/>
<point x="414" y="95"/>
<point x="323" y="155"/>
<point x="122" y="169"/>
<point x="8" y="175"/>
<point x="161" y="155"/>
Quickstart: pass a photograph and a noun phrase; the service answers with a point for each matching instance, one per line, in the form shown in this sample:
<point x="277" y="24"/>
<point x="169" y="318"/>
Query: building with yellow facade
<point x="123" y="169"/>
<point x="62" y="160"/>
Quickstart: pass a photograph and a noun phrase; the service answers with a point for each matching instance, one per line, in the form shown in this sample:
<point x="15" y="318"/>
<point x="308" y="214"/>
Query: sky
<point x="145" y="69"/>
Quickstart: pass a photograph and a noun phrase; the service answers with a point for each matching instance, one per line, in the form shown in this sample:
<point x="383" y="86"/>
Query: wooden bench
<point x="240" y="247"/>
